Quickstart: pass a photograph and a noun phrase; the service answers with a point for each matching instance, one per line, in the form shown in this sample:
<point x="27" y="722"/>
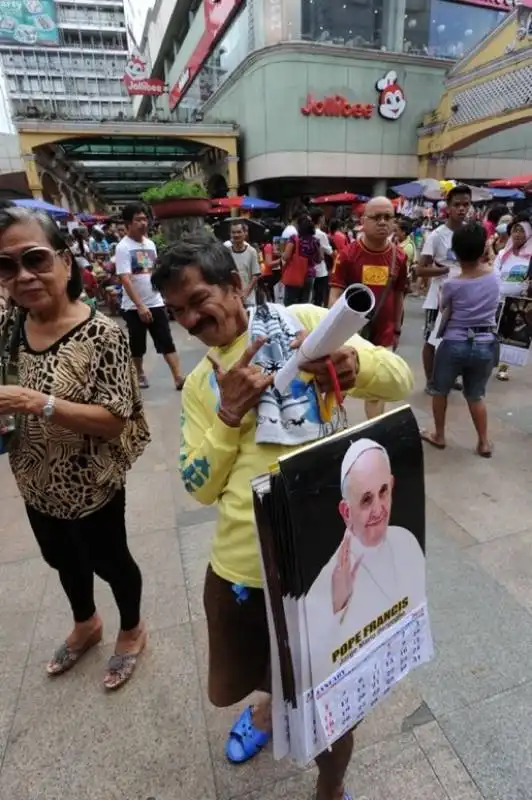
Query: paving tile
<point x="16" y="632"/>
<point x="16" y="537"/>
<point x="485" y="506"/>
<point x="8" y="486"/>
<point x="22" y="585"/>
<point x="396" y="768"/>
<point x="438" y="519"/>
<point x="196" y="548"/>
<point x="447" y="767"/>
<point x="150" y="503"/>
<point x="483" y="638"/>
<point x="493" y="739"/>
<point x="509" y="561"/>
<point x="148" y="739"/>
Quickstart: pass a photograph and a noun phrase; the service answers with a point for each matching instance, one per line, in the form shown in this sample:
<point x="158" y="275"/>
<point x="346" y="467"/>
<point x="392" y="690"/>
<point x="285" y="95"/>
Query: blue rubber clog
<point x="245" y="740"/>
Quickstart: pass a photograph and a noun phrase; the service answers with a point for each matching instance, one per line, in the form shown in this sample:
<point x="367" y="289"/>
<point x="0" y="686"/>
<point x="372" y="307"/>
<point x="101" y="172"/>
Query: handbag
<point x="9" y="350"/>
<point x="295" y="270"/>
<point x="368" y="329"/>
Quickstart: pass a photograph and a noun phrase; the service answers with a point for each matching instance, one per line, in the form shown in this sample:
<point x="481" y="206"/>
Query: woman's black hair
<point x="305" y="226"/>
<point x="404" y="224"/>
<point x="22" y="216"/>
<point x="469" y="242"/>
<point x="201" y="250"/>
<point x="495" y="213"/>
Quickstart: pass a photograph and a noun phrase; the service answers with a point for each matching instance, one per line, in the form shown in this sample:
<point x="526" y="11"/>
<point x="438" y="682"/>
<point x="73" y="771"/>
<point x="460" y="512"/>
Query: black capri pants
<point x="96" y="544"/>
<point x="159" y="329"/>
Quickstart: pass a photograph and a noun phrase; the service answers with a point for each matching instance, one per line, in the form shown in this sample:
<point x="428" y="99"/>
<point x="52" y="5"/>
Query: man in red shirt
<point x="381" y="266"/>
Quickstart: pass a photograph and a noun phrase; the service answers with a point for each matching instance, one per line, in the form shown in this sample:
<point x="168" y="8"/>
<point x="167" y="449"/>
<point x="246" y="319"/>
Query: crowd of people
<point x="71" y="380"/>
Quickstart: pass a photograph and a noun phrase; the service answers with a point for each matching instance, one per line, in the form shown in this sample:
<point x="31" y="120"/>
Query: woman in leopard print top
<point x="80" y="425"/>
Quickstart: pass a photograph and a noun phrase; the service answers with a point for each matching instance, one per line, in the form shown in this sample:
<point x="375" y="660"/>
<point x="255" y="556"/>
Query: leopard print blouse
<point x="70" y="475"/>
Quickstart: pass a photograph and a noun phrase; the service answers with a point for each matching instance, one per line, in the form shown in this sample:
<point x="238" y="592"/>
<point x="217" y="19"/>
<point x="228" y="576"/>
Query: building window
<point x="446" y="28"/>
<point x="228" y="54"/>
<point x="355" y="23"/>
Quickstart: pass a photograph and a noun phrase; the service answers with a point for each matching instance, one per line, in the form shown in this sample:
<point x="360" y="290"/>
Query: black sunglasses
<point x="38" y="260"/>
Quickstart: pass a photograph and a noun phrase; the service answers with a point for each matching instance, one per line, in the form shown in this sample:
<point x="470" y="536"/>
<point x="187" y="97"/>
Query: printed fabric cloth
<point x="292" y="418"/>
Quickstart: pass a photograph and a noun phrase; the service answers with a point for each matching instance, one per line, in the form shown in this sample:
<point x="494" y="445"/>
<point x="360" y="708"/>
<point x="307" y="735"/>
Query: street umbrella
<point x="244" y="202"/>
<point x="478" y="194"/>
<point x="507" y="194"/>
<point x="42" y="205"/>
<point x="516" y="182"/>
<point x="343" y="197"/>
<point x="414" y="189"/>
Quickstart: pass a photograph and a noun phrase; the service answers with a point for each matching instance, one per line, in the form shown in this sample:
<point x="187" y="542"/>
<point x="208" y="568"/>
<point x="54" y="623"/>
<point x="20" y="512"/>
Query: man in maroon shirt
<point x="381" y="266"/>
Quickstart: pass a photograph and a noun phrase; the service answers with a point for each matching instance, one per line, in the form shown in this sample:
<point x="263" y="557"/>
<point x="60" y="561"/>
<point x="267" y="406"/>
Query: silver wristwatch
<point x="48" y="408"/>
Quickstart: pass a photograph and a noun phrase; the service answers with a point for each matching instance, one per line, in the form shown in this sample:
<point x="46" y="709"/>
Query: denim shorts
<point x="471" y="359"/>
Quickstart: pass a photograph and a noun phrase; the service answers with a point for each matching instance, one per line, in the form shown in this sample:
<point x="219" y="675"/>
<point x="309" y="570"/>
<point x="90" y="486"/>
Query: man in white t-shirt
<point x="438" y="262"/>
<point x="143" y="308"/>
<point x="321" y="281"/>
<point x="246" y="261"/>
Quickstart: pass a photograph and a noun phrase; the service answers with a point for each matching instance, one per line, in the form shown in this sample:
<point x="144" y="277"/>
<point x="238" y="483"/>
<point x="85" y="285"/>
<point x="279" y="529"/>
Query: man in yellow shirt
<point x="220" y="456"/>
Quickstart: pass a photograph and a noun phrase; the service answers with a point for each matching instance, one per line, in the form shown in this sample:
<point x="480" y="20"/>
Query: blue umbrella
<point x="409" y="190"/>
<point x="506" y="194"/>
<point x="255" y="203"/>
<point x="42" y="205"/>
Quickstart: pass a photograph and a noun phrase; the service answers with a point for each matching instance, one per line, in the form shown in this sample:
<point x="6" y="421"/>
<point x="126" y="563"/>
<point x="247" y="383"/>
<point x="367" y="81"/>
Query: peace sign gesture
<point x="343" y="577"/>
<point x="241" y="386"/>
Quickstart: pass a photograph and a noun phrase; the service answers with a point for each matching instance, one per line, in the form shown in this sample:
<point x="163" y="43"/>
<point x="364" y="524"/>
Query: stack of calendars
<point x="341" y="526"/>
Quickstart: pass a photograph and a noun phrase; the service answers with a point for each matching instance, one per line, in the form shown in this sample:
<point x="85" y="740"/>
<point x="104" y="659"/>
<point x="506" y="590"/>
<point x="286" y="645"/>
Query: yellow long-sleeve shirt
<point x="218" y="463"/>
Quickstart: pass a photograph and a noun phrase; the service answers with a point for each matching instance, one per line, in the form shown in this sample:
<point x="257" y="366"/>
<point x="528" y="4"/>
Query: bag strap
<point x="387" y="288"/>
<point x="9" y="344"/>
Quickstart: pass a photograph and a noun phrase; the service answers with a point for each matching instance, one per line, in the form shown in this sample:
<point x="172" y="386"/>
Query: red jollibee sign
<point x="336" y="106"/>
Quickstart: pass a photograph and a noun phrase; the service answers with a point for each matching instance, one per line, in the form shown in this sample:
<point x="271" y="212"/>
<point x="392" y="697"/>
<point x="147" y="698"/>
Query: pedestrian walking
<point x="68" y="381"/>
<point x="143" y="308"/>
<point x="469" y="341"/>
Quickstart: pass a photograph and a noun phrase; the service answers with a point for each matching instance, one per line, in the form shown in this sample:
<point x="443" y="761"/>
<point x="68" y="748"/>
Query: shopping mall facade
<point x="327" y="94"/>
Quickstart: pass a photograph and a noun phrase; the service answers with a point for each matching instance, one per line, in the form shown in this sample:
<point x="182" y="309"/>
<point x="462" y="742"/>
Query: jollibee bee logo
<point x="392" y="100"/>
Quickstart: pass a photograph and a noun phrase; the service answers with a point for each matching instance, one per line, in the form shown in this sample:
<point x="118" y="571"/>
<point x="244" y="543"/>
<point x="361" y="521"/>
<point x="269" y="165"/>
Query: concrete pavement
<point x="459" y="729"/>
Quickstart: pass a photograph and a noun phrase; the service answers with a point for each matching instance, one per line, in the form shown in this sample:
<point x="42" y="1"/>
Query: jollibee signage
<point x="137" y="78"/>
<point x="391" y="103"/>
<point x="336" y="106"/>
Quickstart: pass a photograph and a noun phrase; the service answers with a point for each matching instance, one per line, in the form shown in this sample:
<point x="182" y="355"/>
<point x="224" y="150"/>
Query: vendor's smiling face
<point x="367" y="504"/>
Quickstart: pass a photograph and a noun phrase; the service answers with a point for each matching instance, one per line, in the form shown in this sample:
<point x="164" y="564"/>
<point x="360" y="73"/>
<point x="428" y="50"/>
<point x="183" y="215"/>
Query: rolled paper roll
<point x="348" y="316"/>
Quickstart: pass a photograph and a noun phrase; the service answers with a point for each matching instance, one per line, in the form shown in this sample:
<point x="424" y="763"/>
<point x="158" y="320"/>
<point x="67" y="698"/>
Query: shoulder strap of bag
<point x="387" y="288"/>
<point x="9" y="344"/>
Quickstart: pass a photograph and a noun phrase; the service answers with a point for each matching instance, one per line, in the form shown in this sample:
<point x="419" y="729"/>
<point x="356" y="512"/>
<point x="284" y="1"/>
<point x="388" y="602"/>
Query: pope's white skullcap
<point x="355" y="451"/>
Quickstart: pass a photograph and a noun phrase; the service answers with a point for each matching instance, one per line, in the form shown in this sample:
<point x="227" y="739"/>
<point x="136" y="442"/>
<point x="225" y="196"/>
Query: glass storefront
<point x="351" y="23"/>
<point x="446" y="28"/>
<point x="228" y="54"/>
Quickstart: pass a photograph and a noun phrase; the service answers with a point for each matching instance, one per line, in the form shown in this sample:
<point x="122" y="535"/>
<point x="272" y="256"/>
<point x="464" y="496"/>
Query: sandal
<point x="245" y="740"/>
<point x="144" y="382"/>
<point x="121" y="667"/>
<point x="429" y="439"/>
<point x="502" y="375"/>
<point x="485" y="453"/>
<point x="65" y="657"/>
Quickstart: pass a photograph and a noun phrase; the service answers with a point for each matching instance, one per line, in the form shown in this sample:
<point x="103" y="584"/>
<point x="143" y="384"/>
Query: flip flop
<point x="429" y="439"/>
<point x="65" y="657"/>
<point x="485" y="453"/>
<point x="245" y="740"/>
<point x="121" y="667"/>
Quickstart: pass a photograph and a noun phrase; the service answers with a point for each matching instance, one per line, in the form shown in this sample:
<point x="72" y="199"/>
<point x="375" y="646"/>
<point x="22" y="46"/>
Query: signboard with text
<point x="28" y="22"/>
<point x="137" y="78"/>
<point x="218" y="14"/>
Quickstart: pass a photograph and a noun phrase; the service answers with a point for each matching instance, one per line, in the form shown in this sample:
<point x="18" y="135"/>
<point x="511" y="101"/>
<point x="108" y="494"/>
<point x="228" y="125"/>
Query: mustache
<point x="197" y="329"/>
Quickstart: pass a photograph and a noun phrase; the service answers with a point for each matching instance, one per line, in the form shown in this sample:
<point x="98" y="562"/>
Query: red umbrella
<point x="343" y="197"/>
<point x="517" y="182"/>
<point x="234" y="201"/>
